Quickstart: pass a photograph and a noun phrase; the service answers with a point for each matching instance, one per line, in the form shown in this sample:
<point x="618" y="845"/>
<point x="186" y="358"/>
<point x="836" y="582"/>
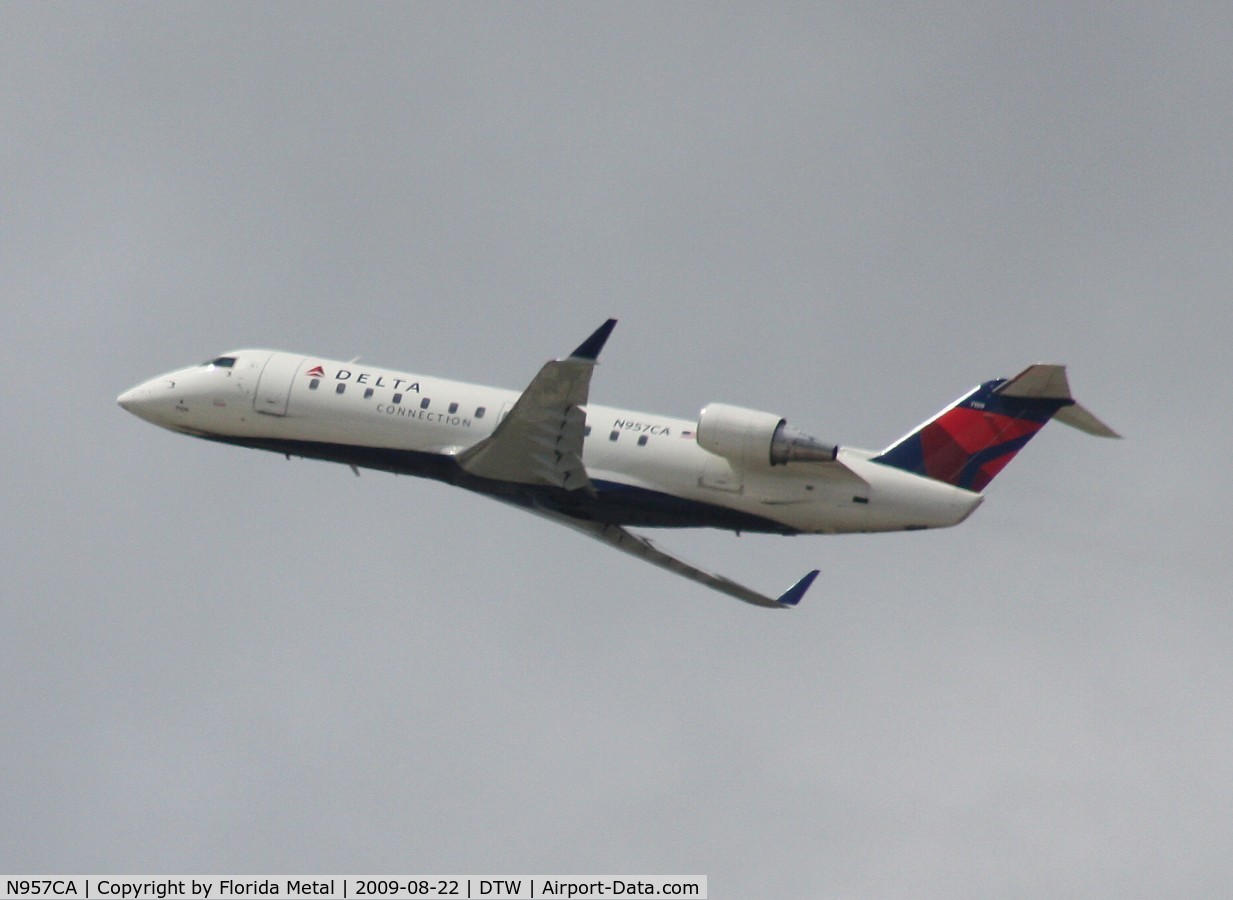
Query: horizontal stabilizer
<point x="1077" y="416"/>
<point x="1048" y="382"/>
<point x="1042" y="381"/>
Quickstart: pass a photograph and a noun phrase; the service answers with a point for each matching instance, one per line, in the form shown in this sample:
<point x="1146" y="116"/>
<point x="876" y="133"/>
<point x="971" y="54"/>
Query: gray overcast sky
<point x="216" y="661"/>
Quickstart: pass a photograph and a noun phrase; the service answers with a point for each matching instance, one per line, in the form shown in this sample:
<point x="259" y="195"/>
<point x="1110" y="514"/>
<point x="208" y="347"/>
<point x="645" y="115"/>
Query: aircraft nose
<point x="145" y="400"/>
<point x="130" y="398"/>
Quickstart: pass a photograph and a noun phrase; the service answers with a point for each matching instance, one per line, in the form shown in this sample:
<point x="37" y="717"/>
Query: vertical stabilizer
<point x="972" y="440"/>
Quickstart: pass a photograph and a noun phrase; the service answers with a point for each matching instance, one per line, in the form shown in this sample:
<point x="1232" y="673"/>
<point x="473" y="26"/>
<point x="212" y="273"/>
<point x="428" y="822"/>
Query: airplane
<point x="602" y="470"/>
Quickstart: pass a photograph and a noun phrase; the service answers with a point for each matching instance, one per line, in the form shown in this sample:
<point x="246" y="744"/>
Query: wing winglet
<point x="793" y="595"/>
<point x="589" y="349"/>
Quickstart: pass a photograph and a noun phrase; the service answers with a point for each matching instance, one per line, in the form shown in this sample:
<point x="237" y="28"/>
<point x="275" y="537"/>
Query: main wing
<point x="539" y="442"/>
<point x="638" y="546"/>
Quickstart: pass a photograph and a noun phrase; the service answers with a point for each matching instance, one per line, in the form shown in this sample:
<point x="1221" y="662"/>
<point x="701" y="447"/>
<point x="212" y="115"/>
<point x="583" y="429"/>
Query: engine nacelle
<point x="752" y="438"/>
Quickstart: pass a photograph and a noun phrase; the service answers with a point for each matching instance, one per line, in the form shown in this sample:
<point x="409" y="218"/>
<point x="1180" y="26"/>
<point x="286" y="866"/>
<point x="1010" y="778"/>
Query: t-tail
<point x="973" y="439"/>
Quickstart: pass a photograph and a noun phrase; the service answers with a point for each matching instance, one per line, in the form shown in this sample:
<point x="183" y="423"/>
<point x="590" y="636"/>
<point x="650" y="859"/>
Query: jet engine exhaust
<point x="789" y="446"/>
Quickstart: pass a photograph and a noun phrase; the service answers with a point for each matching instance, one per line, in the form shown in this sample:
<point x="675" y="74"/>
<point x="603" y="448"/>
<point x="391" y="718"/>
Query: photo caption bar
<point x="94" y="887"/>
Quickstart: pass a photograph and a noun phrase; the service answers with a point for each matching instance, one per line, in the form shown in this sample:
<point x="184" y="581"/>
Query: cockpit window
<point x="223" y="362"/>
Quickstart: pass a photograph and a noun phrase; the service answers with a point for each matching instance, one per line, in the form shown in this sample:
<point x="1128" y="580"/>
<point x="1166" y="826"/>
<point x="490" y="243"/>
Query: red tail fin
<point x="973" y="439"/>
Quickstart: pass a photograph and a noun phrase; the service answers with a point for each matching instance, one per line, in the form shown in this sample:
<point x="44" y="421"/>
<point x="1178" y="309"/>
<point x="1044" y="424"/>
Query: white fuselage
<point x="647" y="469"/>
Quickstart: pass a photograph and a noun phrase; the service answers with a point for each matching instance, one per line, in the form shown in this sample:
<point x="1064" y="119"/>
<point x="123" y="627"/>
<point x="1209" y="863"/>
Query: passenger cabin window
<point x="642" y="440"/>
<point x="342" y="386"/>
<point x="367" y="393"/>
<point x="479" y="412"/>
<point x="453" y="408"/>
<point x="314" y="384"/>
<point x="397" y="399"/>
<point x="424" y="403"/>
